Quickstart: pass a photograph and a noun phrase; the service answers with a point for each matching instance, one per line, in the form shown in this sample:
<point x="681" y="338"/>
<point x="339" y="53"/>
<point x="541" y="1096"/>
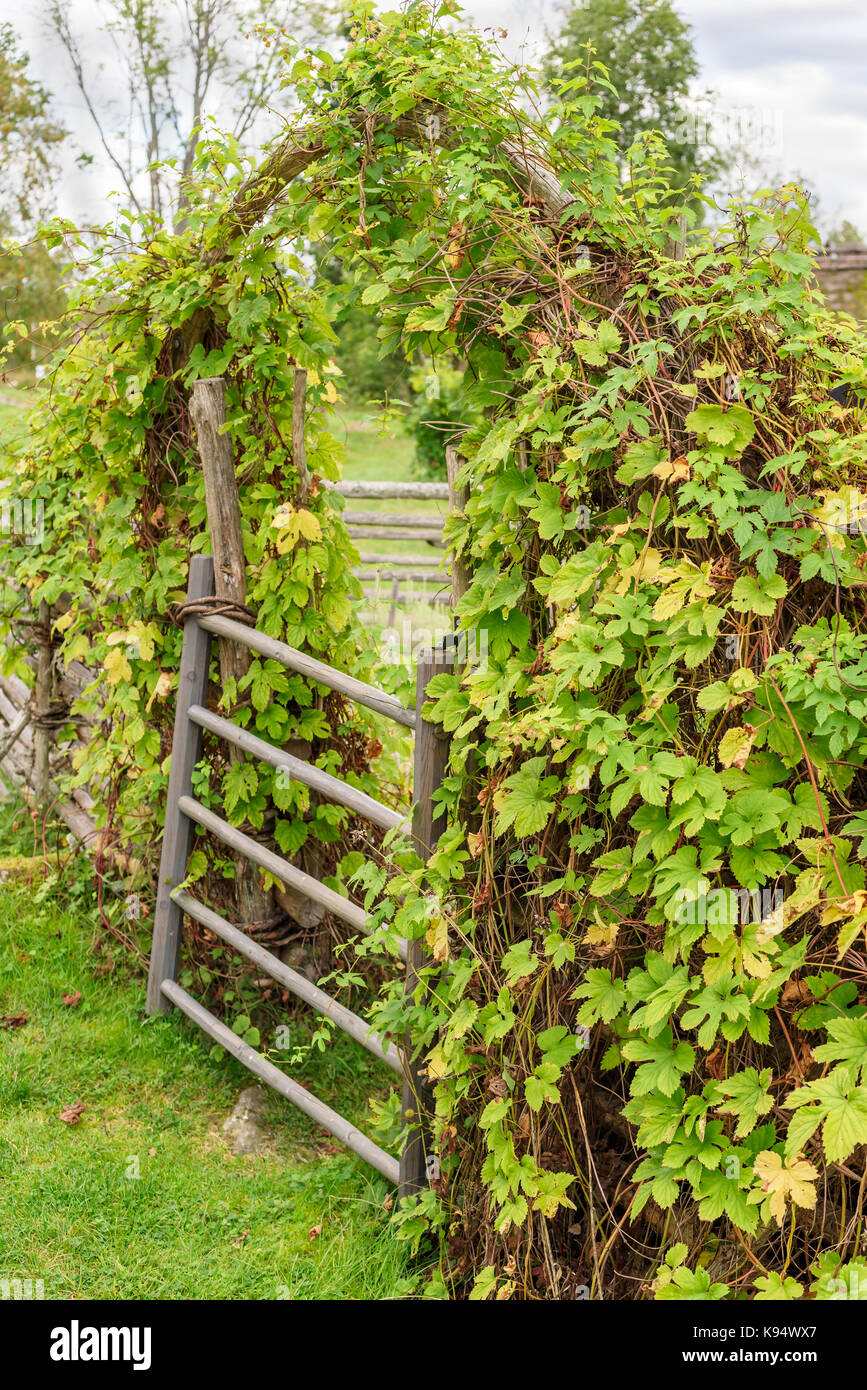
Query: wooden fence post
<point x="208" y="412"/>
<point x="458" y="497"/>
<point x="42" y="694"/>
<point x="676" y="247"/>
<point x="186" y="751"/>
<point x="299" y="433"/>
<point x="429" y="767"/>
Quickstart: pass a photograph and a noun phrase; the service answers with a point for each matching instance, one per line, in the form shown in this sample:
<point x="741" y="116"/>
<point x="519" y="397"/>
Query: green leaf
<point x="758" y="595"/>
<point x="848" y="1046"/>
<point x="841" y="1110"/>
<point x="605" y="997"/>
<point x="662" y="1064"/>
<point x="691" y="1286"/>
<point x="524" y="800"/>
<point x="748" y="1098"/>
<point x="731" y="427"/>
<point x="519" y="961"/>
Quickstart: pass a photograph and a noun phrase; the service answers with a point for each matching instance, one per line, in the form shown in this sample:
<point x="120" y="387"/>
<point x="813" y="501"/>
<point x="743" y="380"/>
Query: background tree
<point x="648" y="51"/>
<point x="30" y="142"/>
<point x="181" y="61"/>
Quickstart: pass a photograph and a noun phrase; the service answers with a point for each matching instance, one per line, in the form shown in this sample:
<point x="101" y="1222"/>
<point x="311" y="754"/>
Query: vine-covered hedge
<point x="645" y="1020"/>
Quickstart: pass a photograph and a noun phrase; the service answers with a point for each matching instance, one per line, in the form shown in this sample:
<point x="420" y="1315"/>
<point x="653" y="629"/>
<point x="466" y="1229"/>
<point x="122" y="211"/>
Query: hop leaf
<point x="795" y="1179"/>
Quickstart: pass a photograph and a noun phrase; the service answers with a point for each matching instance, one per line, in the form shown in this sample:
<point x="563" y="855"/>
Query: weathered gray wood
<point x="368" y="572"/>
<point x="208" y="413"/>
<point x="272" y="1076"/>
<point x="312" y="669"/>
<point x="303" y="910"/>
<point x="42" y="698"/>
<point x="280" y="868"/>
<point x="297" y="984"/>
<point x="331" y="787"/>
<point x="375" y="557"/>
<point x="676" y="248"/>
<point x="299" y="433"/>
<point x="395" y="596"/>
<point x="396" y="533"/>
<point x="15" y="732"/>
<point x="458" y="498"/>
<point x="416" y="521"/>
<point x="186" y="751"/>
<point x="429" y="767"/>
<point x="421" y="491"/>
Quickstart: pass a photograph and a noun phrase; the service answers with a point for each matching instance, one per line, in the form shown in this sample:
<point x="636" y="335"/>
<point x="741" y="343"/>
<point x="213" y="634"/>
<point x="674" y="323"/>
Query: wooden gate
<point x="183" y="813"/>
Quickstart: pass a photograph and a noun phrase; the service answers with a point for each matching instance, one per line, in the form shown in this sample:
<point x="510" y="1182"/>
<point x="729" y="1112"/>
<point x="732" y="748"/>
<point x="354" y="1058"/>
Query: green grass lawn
<point x="142" y="1197"/>
<point x="13" y="405"/>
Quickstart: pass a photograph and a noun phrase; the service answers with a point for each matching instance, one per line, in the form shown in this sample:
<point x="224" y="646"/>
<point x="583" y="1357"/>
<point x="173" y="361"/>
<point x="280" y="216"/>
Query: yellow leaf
<point x="117" y="666"/>
<point x="330" y="392"/>
<point x="669" y="602"/>
<point x="437" y="1065"/>
<point x="293" y="525"/>
<point x="805" y="896"/>
<point x="852" y="913"/>
<point x="437" y="936"/>
<point x="616" y="531"/>
<point x="734" y="746"/>
<point x="161" y="689"/>
<point x="795" y="1180"/>
<point x="841" y="909"/>
<point x="673" y="470"/>
<point x="567" y="625"/>
<point x="144" y="634"/>
<point x="602" y="935"/>
<point x="308" y="525"/>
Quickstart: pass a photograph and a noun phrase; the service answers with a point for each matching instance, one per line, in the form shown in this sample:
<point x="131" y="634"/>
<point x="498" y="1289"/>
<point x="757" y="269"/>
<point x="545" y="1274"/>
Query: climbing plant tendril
<point x="646" y="1014"/>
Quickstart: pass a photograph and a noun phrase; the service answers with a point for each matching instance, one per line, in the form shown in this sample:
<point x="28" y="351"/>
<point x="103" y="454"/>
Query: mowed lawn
<point x="142" y="1197"/>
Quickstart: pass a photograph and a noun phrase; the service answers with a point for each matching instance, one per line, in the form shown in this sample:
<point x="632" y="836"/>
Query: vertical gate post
<point x="226" y="528"/>
<point x="186" y="751"/>
<point x="429" y="767"/>
<point x="43" y="692"/>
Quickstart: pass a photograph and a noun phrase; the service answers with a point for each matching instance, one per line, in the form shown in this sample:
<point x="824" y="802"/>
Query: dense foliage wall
<point x="646" y="1017"/>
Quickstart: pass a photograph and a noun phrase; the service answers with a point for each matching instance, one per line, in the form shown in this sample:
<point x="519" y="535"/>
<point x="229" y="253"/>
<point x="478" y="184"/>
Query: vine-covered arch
<point x="666" y="554"/>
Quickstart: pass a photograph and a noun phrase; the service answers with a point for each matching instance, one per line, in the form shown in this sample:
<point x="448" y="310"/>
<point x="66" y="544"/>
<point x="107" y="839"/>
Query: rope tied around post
<point x="213" y="607"/>
<point x="55" y="717"/>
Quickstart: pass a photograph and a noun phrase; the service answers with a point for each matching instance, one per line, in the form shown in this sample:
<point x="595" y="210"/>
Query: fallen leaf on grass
<point x="314" y="1232"/>
<point x="13" y="1020"/>
<point x="239" y="1240"/>
<point x="71" y="1114"/>
<point x="71" y="1000"/>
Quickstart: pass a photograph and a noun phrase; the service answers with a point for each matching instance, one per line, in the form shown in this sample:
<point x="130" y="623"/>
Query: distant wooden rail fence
<point x="184" y="813"/>
<point x="418" y="527"/>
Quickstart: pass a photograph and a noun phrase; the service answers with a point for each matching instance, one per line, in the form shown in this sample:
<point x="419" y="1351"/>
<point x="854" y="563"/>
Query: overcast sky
<point x="794" y="72"/>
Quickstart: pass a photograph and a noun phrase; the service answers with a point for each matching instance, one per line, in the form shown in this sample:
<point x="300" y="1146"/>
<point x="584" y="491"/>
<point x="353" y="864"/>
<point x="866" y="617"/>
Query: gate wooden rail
<point x="183" y="813"/>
